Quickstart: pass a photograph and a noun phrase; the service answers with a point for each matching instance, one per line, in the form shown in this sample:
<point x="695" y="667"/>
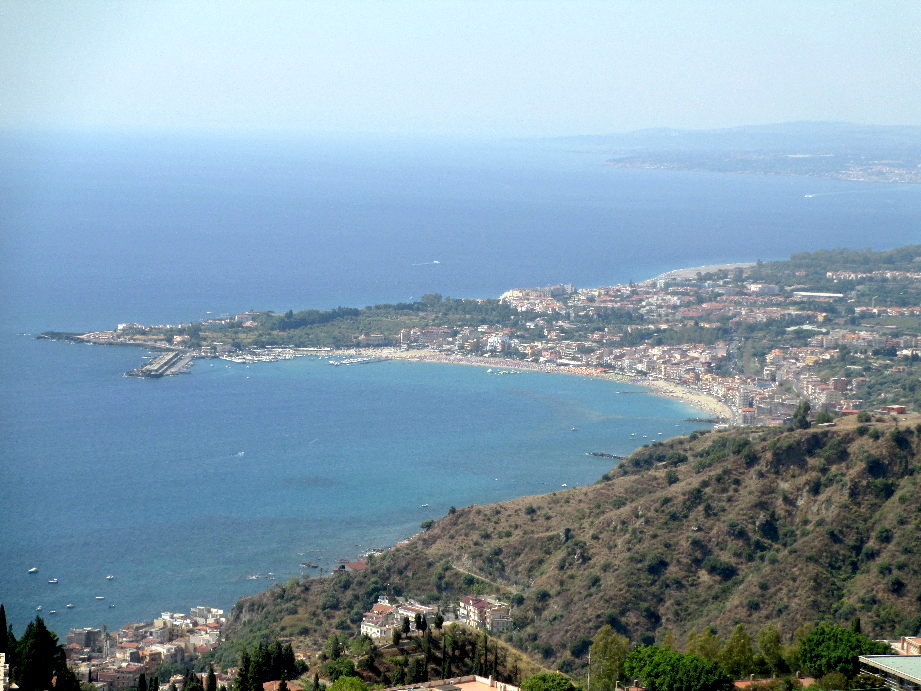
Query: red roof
<point x="356" y="565"/>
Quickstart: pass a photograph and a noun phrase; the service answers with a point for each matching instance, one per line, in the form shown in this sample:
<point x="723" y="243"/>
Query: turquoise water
<point x="184" y="488"/>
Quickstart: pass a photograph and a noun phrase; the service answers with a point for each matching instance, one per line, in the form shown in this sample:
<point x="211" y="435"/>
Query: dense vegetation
<point x="36" y="658"/>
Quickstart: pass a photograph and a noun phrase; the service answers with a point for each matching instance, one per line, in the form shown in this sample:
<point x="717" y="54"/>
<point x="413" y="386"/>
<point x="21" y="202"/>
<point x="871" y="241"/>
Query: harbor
<point x="164" y="365"/>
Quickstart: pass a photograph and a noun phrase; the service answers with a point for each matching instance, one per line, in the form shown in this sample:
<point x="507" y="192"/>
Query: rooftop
<point x="903" y="666"/>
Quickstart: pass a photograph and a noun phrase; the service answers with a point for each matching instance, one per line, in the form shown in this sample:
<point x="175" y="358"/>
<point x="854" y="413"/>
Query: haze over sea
<point x="184" y="488"/>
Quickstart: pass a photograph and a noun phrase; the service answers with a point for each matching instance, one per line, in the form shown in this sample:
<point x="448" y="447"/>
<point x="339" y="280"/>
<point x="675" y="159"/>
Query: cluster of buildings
<point x="385" y="617"/>
<point x="114" y="661"/>
<point x="489" y="614"/>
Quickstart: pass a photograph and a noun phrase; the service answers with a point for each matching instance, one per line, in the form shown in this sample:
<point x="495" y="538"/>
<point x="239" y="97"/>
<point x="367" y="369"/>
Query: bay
<point x="183" y="489"/>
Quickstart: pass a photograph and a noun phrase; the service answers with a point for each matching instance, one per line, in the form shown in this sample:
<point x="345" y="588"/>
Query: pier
<point x="164" y="365"/>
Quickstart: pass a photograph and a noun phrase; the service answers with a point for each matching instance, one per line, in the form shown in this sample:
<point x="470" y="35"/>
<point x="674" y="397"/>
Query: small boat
<point x="573" y="429"/>
<point x="100" y="597"/>
<point x="110" y="578"/>
<point x="54" y="611"/>
<point x="424" y="506"/>
<point x="34" y="569"/>
<point x="564" y="485"/>
<point x="53" y="580"/>
<point x="111" y="605"/>
<point x="70" y="606"/>
<point x="38" y="609"/>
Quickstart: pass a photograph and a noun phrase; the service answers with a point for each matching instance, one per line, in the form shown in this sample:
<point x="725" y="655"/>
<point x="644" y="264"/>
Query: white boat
<point x="110" y="578"/>
<point x="38" y="609"/>
<point x="53" y="580"/>
<point x="70" y="606"/>
<point x="54" y="611"/>
<point x="34" y="569"/>
<point x="100" y="597"/>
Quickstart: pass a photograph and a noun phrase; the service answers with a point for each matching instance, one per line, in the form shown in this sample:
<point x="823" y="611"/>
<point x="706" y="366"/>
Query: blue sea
<point x="186" y="488"/>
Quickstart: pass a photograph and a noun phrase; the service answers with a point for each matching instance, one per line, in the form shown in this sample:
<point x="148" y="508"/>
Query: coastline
<point x="659" y="387"/>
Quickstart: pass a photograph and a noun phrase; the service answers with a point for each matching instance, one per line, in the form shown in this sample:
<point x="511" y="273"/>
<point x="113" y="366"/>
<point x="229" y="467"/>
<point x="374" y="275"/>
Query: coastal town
<point x="748" y="352"/>
<point x="115" y="660"/>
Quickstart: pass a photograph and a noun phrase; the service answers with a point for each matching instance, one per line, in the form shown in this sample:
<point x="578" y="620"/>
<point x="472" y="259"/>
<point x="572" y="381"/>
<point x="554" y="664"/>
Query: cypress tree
<point x="445" y="657"/>
<point x="242" y="683"/>
<point x="4" y="646"/>
<point x="475" y="654"/>
<point x="211" y="684"/>
<point x="142" y="682"/>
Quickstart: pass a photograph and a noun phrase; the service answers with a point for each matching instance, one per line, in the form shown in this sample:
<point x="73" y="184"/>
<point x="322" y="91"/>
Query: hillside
<point x="750" y="526"/>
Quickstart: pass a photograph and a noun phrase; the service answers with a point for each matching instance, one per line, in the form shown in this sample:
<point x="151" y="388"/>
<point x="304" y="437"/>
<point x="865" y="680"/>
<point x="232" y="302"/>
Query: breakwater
<point x="164" y="365"/>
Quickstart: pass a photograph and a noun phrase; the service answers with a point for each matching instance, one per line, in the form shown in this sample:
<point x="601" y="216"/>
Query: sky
<point x="457" y="67"/>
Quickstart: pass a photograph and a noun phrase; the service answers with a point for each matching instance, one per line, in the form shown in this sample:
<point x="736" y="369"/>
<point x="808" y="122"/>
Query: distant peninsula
<point x="748" y="342"/>
<point x="839" y="151"/>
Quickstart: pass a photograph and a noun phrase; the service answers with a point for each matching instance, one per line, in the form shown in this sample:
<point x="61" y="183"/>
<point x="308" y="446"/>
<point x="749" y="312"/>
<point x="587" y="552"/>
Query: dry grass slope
<point x="750" y="526"/>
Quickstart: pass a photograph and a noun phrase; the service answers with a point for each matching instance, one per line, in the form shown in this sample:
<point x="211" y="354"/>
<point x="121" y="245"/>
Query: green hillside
<point x="757" y="526"/>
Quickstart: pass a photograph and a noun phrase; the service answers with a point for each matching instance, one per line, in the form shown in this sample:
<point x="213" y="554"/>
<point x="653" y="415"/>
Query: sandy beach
<point x="659" y="387"/>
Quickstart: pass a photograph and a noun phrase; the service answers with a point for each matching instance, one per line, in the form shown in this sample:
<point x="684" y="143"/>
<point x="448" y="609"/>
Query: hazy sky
<point x="468" y="67"/>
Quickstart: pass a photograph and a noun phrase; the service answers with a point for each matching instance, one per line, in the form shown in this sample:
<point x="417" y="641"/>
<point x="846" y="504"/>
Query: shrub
<point x="718" y="567"/>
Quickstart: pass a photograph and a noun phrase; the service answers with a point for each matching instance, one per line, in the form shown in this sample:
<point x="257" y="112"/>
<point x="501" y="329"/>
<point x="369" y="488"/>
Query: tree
<point x="771" y="648"/>
<point x="705" y="644"/>
<point x="142" y="682"/>
<point x="547" y="681"/>
<point x="607" y="656"/>
<point x="397" y="635"/>
<point x="211" y="684"/>
<point x="668" y="641"/>
<point x="404" y="628"/>
<point x="348" y="684"/>
<point x="243" y="679"/>
<point x="332" y="648"/>
<point x="4" y="646"/>
<point x="737" y="657"/>
<point x="445" y="655"/>
<point x="40" y="658"/>
<point x="668" y="670"/>
<point x="439" y="620"/>
<point x="833" y="649"/>
<point x="801" y="415"/>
